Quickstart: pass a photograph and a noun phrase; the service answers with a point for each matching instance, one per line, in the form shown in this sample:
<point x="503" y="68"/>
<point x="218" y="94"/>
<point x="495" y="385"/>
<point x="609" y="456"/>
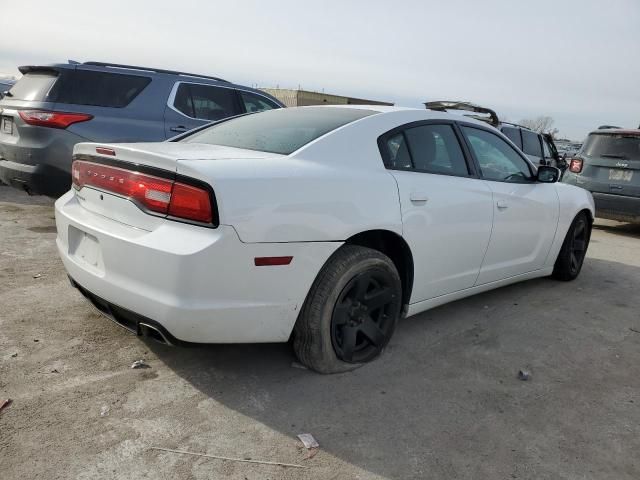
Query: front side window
<point x="498" y="160"/>
<point x="256" y="103"/>
<point x="205" y="102"/>
<point x="435" y="149"/>
<point x="531" y="143"/>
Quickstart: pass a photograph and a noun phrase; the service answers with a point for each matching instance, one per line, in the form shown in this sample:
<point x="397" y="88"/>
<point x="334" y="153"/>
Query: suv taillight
<point x="575" y="165"/>
<point x="43" y="118"/>
<point x="160" y="195"/>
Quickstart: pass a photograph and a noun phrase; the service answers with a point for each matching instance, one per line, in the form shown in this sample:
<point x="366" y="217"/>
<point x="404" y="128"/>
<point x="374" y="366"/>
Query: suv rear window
<point x="34" y="86"/>
<point x="278" y="131"/>
<point x="621" y="145"/>
<point x="100" y="89"/>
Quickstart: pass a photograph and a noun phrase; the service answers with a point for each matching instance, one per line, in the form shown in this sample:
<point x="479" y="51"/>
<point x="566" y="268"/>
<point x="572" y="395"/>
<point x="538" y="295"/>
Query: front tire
<point x="350" y="312"/>
<point x="574" y="249"/>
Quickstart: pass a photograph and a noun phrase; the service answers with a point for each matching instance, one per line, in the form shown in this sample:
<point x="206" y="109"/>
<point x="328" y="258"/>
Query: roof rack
<point x="156" y="70"/>
<point x="444" y="105"/>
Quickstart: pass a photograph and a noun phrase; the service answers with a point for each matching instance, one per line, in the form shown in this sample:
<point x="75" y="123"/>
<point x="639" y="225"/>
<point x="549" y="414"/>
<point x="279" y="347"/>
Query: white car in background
<point x="325" y="223"/>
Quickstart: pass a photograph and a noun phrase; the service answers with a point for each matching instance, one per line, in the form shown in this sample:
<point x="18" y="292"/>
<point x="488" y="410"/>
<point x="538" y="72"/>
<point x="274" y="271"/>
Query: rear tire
<point x="574" y="249"/>
<point x="350" y="312"/>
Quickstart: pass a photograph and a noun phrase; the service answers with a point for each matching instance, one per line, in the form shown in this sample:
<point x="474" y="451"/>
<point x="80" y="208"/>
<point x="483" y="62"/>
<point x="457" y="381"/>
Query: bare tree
<point x="539" y="124"/>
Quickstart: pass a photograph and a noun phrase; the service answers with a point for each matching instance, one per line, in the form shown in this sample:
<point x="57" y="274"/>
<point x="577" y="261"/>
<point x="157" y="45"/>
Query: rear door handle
<point x="501" y="204"/>
<point x="418" y="197"/>
<point x="178" y="129"/>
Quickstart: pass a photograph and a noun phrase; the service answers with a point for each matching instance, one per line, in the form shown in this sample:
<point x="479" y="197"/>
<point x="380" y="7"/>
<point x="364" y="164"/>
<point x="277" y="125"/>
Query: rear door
<point x="191" y="105"/>
<point x="446" y="210"/>
<point x="525" y="213"/>
<point x="611" y="163"/>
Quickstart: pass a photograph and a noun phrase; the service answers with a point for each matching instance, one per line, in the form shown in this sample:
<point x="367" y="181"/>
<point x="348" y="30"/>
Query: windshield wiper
<point x="614" y="155"/>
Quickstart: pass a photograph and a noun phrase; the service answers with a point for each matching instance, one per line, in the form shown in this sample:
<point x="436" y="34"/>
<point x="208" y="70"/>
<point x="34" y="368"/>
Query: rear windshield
<point x="278" y="131"/>
<point x="34" y="86"/>
<point x="623" y="146"/>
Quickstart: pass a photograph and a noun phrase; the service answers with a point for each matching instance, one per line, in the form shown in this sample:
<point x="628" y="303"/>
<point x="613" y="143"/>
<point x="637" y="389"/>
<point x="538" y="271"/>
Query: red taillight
<point x="157" y="194"/>
<point x="575" y="165"/>
<point x="43" y="118"/>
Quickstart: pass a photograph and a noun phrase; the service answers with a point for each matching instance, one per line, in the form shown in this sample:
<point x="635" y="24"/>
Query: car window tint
<point x="256" y="103"/>
<point x="182" y="102"/>
<point x="101" y="89"/>
<point x="531" y="143"/>
<point x="435" y="149"/>
<point x="498" y="160"/>
<point x="619" y="145"/>
<point x="281" y="130"/>
<point x="398" y="152"/>
<point x="212" y="103"/>
<point x="513" y="134"/>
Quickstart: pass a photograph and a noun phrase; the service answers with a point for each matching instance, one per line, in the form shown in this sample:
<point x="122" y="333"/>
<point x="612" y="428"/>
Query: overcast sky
<point x="576" y="61"/>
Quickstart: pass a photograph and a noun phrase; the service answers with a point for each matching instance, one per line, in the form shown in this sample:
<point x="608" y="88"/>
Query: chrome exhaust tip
<point x="151" y="331"/>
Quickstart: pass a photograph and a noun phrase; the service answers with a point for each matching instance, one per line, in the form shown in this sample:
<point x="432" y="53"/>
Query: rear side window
<point x="282" y="130"/>
<point x="101" y="89"/>
<point x="531" y="143"/>
<point x="256" y="103"/>
<point x="622" y="146"/>
<point x="513" y="134"/>
<point x="205" y="102"/>
<point x="398" y="152"/>
<point x="435" y="149"/>
<point x="34" y="86"/>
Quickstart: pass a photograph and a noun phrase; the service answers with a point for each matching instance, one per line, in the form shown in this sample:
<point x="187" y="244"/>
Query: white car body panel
<point x="201" y="283"/>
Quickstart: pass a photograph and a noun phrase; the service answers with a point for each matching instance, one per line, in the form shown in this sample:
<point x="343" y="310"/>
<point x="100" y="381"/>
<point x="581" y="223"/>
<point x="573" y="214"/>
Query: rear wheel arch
<point x="396" y="248"/>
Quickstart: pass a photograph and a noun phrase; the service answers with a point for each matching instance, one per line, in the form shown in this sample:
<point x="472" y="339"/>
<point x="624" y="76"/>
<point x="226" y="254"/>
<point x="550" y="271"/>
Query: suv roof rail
<point x="156" y="70"/>
<point x="444" y="105"/>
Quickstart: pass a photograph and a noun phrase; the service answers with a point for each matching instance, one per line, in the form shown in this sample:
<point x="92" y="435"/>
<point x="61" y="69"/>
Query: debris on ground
<point x="37" y="275"/>
<point x="312" y="453"/>
<point x="524" y="375"/>
<point x="140" y="364"/>
<point x="308" y="441"/>
<point x="55" y="370"/>
<point x="298" y="365"/>
<point x="634" y="330"/>
<point x="231" y="459"/>
<point x="104" y="411"/>
<point x="14" y="355"/>
<point x="36" y="340"/>
<point x="5" y="403"/>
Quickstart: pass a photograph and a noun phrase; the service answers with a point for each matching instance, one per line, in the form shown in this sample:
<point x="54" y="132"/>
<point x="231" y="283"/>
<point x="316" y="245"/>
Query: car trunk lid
<point x="112" y="165"/>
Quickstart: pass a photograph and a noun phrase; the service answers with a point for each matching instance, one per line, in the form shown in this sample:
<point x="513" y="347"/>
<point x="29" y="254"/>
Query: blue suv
<point x="53" y="107"/>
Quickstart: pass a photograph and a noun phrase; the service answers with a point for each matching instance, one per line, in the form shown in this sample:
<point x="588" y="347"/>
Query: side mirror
<point x="547" y="174"/>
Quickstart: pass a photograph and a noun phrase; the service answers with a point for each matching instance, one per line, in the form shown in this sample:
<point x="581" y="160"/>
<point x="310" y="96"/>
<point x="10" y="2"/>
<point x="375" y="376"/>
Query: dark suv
<point x="538" y="147"/>
<point x="51" y="108"/>
<point x="608" y="165"/>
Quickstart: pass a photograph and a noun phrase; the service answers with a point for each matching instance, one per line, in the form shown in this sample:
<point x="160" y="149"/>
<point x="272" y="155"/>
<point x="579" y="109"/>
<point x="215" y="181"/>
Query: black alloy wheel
<point x="363" y="318"/>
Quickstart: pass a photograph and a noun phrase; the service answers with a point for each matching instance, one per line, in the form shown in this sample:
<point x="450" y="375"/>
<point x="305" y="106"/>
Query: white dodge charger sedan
<point x="324" y="224"/>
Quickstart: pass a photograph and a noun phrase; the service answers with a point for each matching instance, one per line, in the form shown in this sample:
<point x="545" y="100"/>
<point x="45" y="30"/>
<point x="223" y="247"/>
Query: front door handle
<point x="502" y="205"/>
<point x="179" y="129"/>
<point x="418" y="197"/>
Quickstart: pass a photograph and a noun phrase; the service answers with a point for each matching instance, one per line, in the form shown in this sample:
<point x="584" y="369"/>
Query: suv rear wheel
<point x="350" y="312"/>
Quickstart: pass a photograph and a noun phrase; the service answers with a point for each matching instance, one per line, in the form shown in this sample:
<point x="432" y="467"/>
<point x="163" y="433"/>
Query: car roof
<point x="426" y="114"/>
<point x="623" y="131"/>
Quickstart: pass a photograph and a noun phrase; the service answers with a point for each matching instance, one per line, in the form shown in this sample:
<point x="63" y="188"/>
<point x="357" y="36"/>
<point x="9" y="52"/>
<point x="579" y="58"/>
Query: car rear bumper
<point x="617" y="207"/>
<point x="35" y="179"/>
<point x="198" y="284"/>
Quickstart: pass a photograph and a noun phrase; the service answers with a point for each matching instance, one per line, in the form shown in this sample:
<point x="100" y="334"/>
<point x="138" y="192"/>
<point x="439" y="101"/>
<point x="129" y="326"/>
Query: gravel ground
<point x="444" y="400"/>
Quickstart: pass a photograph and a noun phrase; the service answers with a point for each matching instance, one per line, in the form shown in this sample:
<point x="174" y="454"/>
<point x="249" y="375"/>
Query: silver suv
<point x="51" y="108"/>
